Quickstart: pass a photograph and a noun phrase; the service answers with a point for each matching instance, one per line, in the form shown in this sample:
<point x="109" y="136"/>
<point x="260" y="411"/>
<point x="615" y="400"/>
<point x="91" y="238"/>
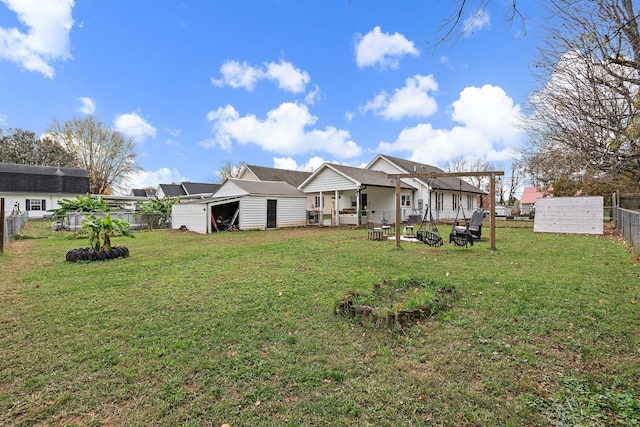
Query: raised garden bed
<point x="404" y="301"/>
<point x="87" y="254"/>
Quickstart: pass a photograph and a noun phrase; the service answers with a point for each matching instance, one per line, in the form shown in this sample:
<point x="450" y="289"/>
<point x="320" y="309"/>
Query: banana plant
<point x="101" y="230"/>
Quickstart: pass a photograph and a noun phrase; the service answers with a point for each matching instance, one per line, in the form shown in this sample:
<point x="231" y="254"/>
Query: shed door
<point x="271" y="213"/>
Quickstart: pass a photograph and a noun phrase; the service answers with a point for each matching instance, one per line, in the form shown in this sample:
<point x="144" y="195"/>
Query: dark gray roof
<point x="143" y="192"/>
<point x="292" y="177"/>
<point x="446" y="183"/>
<point x="43" y="179"/>
<point x="200" y="188"/>
<point x="367" y="176"/>
<point x="172" y="190"/>
<point x="267" y="188"/>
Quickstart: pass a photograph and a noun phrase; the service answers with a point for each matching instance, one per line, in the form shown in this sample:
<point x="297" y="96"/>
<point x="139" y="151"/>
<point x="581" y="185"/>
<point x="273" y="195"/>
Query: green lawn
<point x="239" y="328"/>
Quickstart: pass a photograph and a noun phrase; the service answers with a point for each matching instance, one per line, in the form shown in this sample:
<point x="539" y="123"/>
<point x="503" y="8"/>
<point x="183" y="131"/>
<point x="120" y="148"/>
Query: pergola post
<point x="492" y="201"/>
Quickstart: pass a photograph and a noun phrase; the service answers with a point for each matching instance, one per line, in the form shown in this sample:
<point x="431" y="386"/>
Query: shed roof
<point x="266" y="188"/>
<point x="200" y="187"/>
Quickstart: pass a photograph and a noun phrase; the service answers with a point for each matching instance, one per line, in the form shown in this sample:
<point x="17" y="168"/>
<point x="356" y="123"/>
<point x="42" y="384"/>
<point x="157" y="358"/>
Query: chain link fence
<point x="628" y="222"/>
<point x="13" y="224"/>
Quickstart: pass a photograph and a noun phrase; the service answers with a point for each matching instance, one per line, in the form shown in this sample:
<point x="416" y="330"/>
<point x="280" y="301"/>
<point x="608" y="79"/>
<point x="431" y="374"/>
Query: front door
<point x="271" y="213"/>
<point x="362" y="217"/>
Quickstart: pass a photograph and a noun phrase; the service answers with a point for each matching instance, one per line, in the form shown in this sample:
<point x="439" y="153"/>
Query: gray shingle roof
<point x="367" y="176"/>
<point x="446" y="183"/>
<point x="172" y="190"/>
<point x="200" y="188"/>
<point x="267" y="188"/>
<point x="43" y="179"/>
<point x="292" y="177"/>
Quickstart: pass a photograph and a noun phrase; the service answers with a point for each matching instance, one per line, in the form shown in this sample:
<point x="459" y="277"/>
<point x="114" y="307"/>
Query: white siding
<point x="253" y="213"/>
<point x="329" y="180"/>
<point x="230" y="189"/>
<point x="51" y="202"/>
<point x="291" y="212"/>
<point x="580" y="215"/>
<point x="191" y="215"/>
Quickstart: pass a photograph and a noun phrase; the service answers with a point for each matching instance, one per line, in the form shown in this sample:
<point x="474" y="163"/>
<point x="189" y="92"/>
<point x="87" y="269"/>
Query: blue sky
<point x="278" y="83"/>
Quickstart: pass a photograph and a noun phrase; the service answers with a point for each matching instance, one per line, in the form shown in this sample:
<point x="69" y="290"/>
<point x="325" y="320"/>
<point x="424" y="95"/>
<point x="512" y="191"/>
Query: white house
<point x="446" y="195"/>
<point x="357" y="195"/>
<point x="36" y="189"/>
<point x="243" y="205"/>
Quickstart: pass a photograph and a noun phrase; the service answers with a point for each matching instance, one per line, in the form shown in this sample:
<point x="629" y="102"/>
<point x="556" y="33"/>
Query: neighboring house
<point x="356" y="194"/>
<point x="243" y="205"/>
<point x="36" y="189"/>
<point x="445" y="195"/>
<point x="187" y="189"/>
<point x="528" y="199"/>
<point x="143" y="192"/>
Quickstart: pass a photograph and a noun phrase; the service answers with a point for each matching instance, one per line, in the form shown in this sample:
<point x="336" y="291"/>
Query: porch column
<point x="358" y="197"/>
<point x="321" y="209"/>
<point x="337" y="198"/>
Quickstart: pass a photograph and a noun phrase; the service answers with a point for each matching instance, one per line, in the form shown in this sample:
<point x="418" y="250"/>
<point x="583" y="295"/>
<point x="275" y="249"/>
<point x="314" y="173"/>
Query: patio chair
<point x="373" y="232"/>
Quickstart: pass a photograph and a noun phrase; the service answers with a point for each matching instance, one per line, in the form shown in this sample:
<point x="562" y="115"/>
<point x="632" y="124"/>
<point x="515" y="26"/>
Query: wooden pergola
<point x="492" y="196"/>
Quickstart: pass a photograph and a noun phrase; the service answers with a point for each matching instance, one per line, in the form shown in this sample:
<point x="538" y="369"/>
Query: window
<point x="405" y="200"/>
<point x="456" y="201"/>
<point x="470" y="202"/>
<point x="36" y="205"/>
<point x="318" y="202"/>
<point x="439" y="206"/>
<point x="354" y="201"/>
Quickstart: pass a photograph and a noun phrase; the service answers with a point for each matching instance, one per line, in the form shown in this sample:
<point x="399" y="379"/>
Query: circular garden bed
<point x="403" y="302"/>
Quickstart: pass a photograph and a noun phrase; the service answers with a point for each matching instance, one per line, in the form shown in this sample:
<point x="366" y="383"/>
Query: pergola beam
<point x="492" y="196"/>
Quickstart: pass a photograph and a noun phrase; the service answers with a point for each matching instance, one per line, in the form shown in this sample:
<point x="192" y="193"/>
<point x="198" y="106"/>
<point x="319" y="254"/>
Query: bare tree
<point x="229" y="170"/>
<point x="106" y="154"/>
<point x="584" y="129"/>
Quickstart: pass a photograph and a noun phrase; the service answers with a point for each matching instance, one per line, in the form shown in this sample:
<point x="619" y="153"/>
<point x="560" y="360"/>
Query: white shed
<point x="243" y="205"/>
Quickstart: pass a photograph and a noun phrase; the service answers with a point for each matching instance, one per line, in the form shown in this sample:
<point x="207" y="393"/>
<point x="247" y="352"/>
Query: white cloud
<point x="412" y="100"/>
<point x="47" y="38"/>
<point x="477" y="22"/>
<point x="383" y="49"/>
<point x="144" y="179"/>
<point x="349" y="115"/>
<point x="313" y="95"/>
<point x="132" y="125"/>
<point x="3" y="119"/>
<point x="88" y="106"/>
<point x="285" y="130"/>
<point x="288" y="163"/>
<point x="489" y="127"/>
<point x="242" y="75"/>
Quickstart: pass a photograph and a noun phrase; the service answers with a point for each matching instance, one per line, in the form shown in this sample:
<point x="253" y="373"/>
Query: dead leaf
<point x="232" y="353"/>
<point x="258" y="403"/>
<point x="327" y="381"/>
<point x="632" y="301"/>
<point x="287" y="314"/>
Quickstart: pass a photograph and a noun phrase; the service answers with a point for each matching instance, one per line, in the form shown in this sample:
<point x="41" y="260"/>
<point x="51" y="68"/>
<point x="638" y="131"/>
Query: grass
<point x="238" y="328"/>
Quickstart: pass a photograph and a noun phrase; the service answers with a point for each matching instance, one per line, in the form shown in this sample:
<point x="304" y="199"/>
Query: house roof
<point x="143" y="192"/>
<point x="531" y="194"/>
<point x="172" y="190"/>
<point x="43" y="179"/>
<point x="265" y="188"/>
<point x="292" y="177"/>
<point x="359" y="176"/>
<point x="367" y="176"/>
<point x="200" y="188"/>
<point x="443" y="183"/>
